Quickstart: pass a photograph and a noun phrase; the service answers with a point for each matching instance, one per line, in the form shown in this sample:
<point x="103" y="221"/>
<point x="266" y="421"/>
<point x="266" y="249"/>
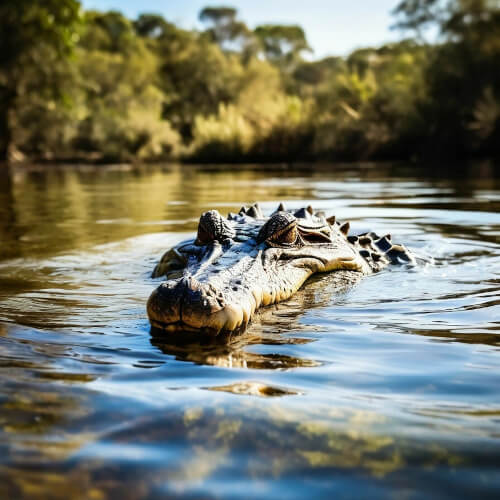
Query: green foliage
<point x="25" y="24"/>
<point x="462" y="99"/>
<point x="123" y="106"/>
<point x="224" y="26"/>
<point x="196" y="79"/>
<point x="263" y="122"/>
<point x="282" y="44"/>
<point x="228" y="32"/>
<point x="106" y="87"/>
<point x="151" y="26"/>
<point x="30" y="31"/>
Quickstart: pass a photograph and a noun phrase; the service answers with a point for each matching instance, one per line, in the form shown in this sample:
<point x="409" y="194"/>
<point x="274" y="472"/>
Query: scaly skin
<point x="217" y="281"/>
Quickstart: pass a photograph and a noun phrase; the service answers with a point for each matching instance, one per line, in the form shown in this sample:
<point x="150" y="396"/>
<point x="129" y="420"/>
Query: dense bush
<point x="98" y="86"/>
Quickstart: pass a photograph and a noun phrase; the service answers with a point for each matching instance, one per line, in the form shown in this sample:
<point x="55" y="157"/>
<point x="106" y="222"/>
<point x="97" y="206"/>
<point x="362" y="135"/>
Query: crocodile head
<point x="216" y="281"/>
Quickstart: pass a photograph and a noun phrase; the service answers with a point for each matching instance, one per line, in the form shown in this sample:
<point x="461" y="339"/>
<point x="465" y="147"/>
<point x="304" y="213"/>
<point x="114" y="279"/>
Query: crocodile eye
<point x="213" y="227"/>
<point x="286" y="235"/>
<point x="281" y="228"/>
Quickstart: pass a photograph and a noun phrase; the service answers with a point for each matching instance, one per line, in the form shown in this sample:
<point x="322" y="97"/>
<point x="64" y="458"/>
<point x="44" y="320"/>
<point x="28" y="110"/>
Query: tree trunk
<point x="7" y="98"/>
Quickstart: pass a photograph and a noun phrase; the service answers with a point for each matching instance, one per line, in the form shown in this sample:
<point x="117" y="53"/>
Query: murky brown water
<point x="388" y="390"/>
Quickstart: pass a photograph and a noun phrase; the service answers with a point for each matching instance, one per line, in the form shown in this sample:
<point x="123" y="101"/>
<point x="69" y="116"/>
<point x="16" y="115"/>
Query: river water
<point x="388" y="390"/>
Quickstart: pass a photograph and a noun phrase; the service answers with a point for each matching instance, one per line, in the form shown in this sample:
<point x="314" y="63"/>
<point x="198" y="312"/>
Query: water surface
<point x="390" y="389"/>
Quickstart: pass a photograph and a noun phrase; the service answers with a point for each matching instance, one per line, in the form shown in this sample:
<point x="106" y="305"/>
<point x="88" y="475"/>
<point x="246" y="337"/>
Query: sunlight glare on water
<point x="388" y="389"/>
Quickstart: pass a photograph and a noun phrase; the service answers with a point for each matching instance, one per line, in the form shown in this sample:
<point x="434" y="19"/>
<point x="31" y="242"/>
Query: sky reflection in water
<point x="390" y="388"/>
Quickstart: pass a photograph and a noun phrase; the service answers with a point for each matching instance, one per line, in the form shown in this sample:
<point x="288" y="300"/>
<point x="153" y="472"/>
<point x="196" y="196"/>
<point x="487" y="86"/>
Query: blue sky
<point x="333" y="27"/>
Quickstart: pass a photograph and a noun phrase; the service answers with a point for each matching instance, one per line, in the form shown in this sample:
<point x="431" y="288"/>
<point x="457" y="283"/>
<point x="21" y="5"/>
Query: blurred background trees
<point x="98" y="86"/>
<point x="36" y="38"/>
<point x="462" y="101"/>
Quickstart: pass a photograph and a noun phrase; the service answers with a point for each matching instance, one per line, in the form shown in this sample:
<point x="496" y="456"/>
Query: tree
<point x="28" y="27"/>
<point x="454" y="18"/>
<point x="282" y="44"/>
<point x="462" y="108"/>
<point x="227" y="31"/>
<point x="122" y="116"/>
<point x="223" y="24"/>
<point x="196" y="76"/>
<point x="152" y="26"/>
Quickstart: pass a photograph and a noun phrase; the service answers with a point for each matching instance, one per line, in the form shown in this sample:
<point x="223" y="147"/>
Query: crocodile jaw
<point x="226" y="300"/>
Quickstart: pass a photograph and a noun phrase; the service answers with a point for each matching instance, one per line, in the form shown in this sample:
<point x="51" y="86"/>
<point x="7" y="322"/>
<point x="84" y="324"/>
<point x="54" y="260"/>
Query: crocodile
<point x="217" y="280"/>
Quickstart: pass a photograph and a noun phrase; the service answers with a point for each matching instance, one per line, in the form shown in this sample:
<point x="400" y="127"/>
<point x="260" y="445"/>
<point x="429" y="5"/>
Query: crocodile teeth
<point x="344" y="228"/>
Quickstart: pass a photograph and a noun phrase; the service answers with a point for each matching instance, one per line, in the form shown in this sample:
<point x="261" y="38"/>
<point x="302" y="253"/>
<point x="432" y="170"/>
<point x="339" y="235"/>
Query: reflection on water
<point x="386" y="389"/>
